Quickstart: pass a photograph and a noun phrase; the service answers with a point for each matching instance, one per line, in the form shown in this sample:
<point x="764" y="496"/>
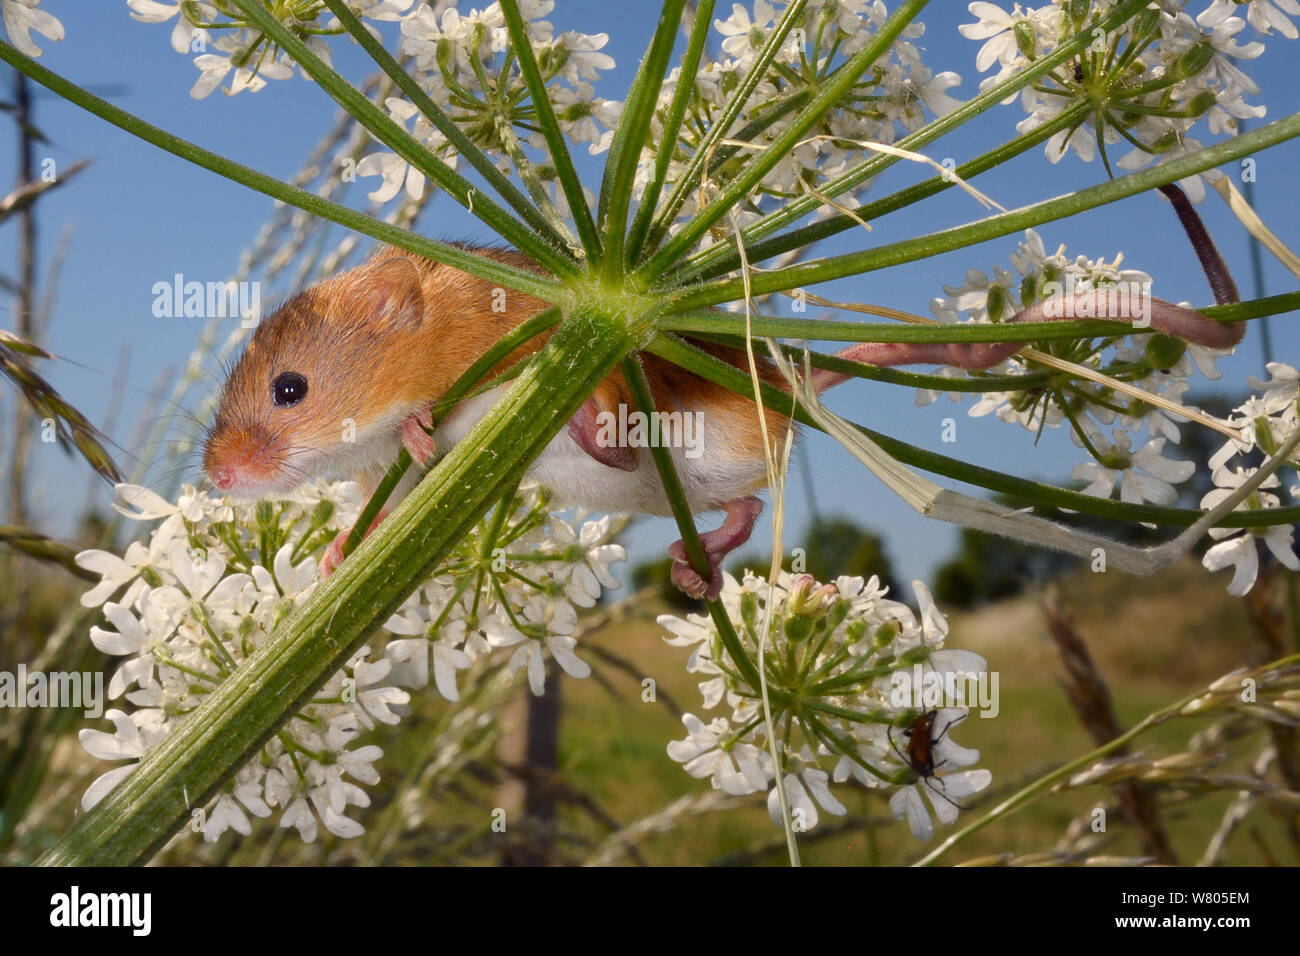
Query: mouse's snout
<point x="222" y="476"/>
<point x="243" y="461"/>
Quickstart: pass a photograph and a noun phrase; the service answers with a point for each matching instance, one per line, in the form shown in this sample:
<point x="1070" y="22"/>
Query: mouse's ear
<point x="392" y="295"/>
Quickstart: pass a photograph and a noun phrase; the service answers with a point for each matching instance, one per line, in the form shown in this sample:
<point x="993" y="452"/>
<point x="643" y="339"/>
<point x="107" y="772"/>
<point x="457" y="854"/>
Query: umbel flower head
<point x="850" y="674"/>
<point x="213" y="581"/>
<point x="1145" y="87"/>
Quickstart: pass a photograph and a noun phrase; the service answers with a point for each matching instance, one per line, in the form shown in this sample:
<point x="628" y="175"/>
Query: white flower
<point x="557" y="619"/>
<point x="943" y="793"/>
<point x="736" y="770"/>
<point x="1268" y="420"/>
<point x="183" y="34"/>
<point x="997" y="28"/>
<point x="131" y="566"/>
<point x="800" y="791"/>
<point x="396" y="173"/>
<point x="1264" y="15"/>
<point x="21" y="17"/>
<point x="141" y="503"/>
<point x="1239" y="551"/>
<point x="1156" y="485"/>
<point x="584" y="61"/>
<point x="745" y="35"/>
<point x="852" y="640"/>
<point x="586" y="577"/>
<point x="1280" y="390"/>
<point x="132" y="737"/>
<point x="138" y="639"/>
<point x="226" y="815"/>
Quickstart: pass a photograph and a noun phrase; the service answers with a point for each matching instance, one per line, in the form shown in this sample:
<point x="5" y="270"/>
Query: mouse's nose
<point x="222" y="476"/>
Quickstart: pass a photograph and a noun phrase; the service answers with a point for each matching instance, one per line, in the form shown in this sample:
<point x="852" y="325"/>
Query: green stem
<point x="763" y="163"/>
<point x="644" y="398"/>
<point x="722" y="125"/>
<point x="518" y="279"/>
<point x="633" y="128"/>
<point x="959" y="237"/>
<point x="564" y="171"/>
<point x="226" y="730"/>
<point x="395" y="136"/>
<point x="672" y="129"/>
<point x="443" y="123"/>
<point x="527" y="171"/>
<point x="942" y="332"/>
<point x="1253" y="308"/>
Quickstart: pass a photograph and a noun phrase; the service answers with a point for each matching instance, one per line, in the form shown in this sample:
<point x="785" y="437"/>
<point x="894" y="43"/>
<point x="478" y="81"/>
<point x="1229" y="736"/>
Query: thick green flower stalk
<point x="215" y="580"/>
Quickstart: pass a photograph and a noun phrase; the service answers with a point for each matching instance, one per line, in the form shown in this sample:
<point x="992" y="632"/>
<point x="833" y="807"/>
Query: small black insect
<point x="920" y="749"/>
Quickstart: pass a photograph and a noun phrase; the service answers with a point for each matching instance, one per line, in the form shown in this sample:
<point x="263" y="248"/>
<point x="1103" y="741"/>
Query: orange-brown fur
<point x="395" y="347"/>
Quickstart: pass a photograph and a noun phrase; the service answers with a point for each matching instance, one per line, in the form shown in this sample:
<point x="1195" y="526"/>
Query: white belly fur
<point x="710" y="480"/>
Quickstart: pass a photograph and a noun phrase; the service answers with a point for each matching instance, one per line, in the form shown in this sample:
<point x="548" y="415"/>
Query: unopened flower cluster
<point x="213" y="580"/>
<point x="846" y="668"/>
<point x="1142" y="88"/>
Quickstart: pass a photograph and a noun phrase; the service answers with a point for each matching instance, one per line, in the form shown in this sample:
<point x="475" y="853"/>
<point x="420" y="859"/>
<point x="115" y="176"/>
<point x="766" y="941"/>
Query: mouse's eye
<point x="289" y="388"/>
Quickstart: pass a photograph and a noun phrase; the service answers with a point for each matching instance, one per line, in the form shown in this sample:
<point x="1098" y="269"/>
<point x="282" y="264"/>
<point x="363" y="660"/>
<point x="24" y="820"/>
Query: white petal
<point x="907" y="802"/>
<point x="99" y="789"/>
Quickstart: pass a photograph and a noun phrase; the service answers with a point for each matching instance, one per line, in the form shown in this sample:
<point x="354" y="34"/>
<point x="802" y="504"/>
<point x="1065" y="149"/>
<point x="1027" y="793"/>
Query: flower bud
<point x="1145" y="23"/>
<point x="1163" y="351"/>
<point x="855" y="630"/>
<point x="1029" y="289"/>
<point x="1201" y="102"/>
<point x="996" y="302"/>
<point x="1193" y="61"/>
<point x="839" y="610"/>
<point x="915" y="655"/>
<point x="322" y="513"/>
<point x="1024" y="38"/>
<point x="798" y="627"/>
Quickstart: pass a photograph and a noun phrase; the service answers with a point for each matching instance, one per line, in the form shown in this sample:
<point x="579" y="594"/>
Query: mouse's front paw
<point x="690" y="581"/>
<point x="416" y="438"/>
<point x="333" y="555"/>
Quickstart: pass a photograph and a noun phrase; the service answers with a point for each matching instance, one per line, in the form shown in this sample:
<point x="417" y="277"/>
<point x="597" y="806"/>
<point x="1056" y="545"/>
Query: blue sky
<point x="138" y="216"/>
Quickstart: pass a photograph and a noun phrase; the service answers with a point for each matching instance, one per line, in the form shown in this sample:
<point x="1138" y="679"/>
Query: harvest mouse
<point x="340" y="377"/>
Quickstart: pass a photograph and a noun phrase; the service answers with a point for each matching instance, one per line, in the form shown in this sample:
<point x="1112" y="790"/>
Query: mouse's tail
<point x="1135" y="309"/>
